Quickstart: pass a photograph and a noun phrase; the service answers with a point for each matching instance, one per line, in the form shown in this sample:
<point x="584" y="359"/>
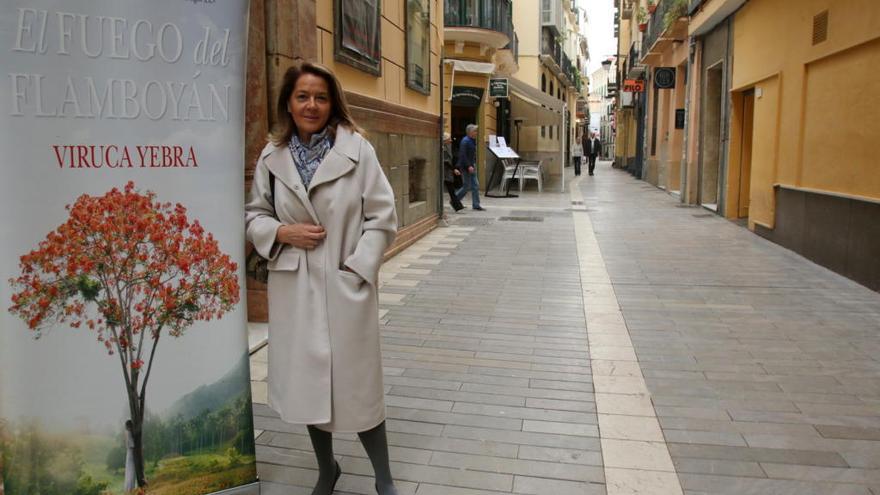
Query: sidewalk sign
<point x="123" y="330"/>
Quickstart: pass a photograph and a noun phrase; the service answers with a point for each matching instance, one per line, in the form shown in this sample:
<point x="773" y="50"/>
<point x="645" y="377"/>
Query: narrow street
<point x="608" y="340"/>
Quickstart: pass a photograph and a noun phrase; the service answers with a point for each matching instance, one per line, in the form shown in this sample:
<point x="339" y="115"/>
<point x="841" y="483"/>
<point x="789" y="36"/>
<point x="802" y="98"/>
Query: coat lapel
<point x="280" y="163"/>
<point x="341" y="159"/>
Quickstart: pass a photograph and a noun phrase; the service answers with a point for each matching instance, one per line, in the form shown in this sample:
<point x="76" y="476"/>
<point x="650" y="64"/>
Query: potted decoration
<point x="677" y="10"/>
<point x="652" y="6"/>
<point x="642" y="19"/>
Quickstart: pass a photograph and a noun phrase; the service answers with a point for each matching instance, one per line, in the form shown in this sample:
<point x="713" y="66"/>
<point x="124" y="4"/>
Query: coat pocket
<point x="286" y="261"/>
<point x="352" y="277"/>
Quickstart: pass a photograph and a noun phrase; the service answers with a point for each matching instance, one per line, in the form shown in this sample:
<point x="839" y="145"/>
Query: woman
<point x="577" y="152"/>
<point x="451" y="174"/>
<point x="322" y="212"/>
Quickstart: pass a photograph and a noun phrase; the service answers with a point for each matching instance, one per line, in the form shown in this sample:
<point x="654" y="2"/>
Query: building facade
<point x="744" y="108"/>
<point x="479" y="44"/>
<point x="603" y="91"/>
<point x="387" y="56"/>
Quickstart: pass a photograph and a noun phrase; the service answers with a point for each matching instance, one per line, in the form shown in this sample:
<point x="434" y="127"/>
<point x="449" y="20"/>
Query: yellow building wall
<point x="391" y="85"/>
<point x="526" y="23"/>
<point x="815" y="122"/>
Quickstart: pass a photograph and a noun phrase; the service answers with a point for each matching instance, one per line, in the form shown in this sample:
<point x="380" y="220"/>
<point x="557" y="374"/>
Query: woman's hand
<point x="456" y="171"/>
<point x="301" y="235"/>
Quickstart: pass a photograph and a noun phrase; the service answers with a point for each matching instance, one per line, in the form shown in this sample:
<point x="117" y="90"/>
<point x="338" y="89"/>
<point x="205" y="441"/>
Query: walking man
<point x="467" y="163"/>
<point x="592" y="148"/>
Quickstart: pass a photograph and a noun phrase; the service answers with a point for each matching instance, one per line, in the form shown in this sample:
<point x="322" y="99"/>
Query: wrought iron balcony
<point x="659" y="30"/>
<point x="634" y="67"/>
<point x="492" y="15"/>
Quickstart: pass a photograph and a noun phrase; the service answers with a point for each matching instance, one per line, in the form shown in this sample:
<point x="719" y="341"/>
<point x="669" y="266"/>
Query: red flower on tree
<point x="126" y="267"/>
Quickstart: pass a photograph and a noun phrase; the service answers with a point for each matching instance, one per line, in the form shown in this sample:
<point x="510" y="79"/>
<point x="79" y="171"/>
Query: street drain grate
<point x="520" y="219"/>
<point x="577" y="202"/>
<point x="472" y="222"/>
<point x="703" y="215"/>
<point x="536" y="213"/>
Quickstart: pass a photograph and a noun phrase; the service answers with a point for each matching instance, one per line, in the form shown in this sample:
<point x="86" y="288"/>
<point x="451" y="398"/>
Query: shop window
<point x="417" y="188"/>
<point x="418" y="45"/>
<point x="357" y="37"/>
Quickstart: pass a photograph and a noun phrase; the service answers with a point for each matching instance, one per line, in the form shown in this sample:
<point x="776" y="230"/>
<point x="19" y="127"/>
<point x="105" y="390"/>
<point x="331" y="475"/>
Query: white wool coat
<point x="325" y="363"/>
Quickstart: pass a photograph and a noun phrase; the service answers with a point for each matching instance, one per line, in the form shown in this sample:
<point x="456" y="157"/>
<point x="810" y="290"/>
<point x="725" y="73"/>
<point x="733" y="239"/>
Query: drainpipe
<point x="440" y="186"/>
<point x="564" y="144"/>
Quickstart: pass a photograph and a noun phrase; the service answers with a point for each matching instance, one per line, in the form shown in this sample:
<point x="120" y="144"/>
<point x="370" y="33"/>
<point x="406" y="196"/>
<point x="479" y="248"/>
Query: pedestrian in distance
<point x="322" y="213"/>
<point x="592" y="148"/>
<point x="467" y="164"/>
<point x="577" y="152"/>
<point x="451" y="174"/>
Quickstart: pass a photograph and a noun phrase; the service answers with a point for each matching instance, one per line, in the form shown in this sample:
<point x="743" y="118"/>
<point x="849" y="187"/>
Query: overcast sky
<point x="599" y="30"/>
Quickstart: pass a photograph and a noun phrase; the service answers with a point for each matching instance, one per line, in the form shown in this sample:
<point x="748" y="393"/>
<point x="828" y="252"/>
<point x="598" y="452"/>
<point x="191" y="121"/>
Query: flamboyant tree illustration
<point x="129" y="269"/>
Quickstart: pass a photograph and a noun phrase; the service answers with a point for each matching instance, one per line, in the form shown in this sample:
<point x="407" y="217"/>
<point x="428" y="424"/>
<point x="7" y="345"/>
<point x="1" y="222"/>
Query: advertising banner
<point x="123" y="346"/>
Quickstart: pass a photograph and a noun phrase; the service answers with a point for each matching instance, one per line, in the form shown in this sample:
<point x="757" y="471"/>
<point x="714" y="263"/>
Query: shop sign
<point x="466" y="96"/>
<point x="634" y="85"/>
<point x="498" y="87"/>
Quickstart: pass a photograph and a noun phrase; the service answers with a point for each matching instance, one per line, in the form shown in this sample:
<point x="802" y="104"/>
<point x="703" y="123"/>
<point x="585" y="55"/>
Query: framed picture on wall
<point x="418" y="45"/>
<point x="357" y="34"/>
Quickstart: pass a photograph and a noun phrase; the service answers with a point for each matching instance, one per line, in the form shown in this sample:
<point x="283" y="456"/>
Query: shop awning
<point x="532" y="106"/>
<point x="472" y="67"/>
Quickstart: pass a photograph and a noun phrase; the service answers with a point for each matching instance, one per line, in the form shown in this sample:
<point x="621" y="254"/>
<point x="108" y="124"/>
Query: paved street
<point x="606" y="340"/>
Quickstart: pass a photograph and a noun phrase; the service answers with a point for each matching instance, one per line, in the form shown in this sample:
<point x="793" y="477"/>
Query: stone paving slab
<point x="762" y="366"/>
<point x="487" y="368"/>
<point x="615" y="344"/>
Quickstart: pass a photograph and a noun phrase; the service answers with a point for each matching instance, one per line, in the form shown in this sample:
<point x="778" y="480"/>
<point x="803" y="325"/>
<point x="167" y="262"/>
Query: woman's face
<point x="310" y="105"/>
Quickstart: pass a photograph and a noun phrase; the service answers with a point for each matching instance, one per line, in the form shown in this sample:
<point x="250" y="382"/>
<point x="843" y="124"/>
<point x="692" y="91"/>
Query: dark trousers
<point x="592" y="164"/>
<point x="577" y="165"/>
<point x="453" y="199"/>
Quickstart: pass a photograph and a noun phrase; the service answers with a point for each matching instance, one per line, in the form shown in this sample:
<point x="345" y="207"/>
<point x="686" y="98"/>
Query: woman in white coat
<point x="322" y="212"/>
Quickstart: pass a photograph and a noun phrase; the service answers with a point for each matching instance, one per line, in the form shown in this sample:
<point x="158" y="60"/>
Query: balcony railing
<point x="656" y="25"/>
<point x="632" y="61"/>
<point x="513" y="46"/>
<point x="496" y="15"/>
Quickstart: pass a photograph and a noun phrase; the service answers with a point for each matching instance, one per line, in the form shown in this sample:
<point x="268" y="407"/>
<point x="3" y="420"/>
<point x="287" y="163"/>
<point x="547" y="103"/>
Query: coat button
<point x="296" y="188"/>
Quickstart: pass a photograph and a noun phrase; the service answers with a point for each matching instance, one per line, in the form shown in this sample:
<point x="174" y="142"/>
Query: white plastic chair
<point x="531" y="170"/>
<point x="509" y="170"/>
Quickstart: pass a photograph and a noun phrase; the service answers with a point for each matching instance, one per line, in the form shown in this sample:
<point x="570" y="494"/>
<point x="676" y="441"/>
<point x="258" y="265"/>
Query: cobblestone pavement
<point x="715" y="362"/>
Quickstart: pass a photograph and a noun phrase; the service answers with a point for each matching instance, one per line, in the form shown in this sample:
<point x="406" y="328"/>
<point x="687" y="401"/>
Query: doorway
<point x="461" y="117"/>
<point x="710" y="164"/>
<point x="747" y="113"/>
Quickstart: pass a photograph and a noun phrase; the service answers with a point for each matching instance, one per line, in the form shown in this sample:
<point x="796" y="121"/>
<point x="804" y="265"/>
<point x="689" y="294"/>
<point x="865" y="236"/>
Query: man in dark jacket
<point x="467" y="163"/>
<point x="592" y="148"/>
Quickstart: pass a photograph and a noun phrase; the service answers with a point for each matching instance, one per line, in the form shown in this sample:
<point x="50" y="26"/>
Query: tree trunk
<point x="139" y="453"/>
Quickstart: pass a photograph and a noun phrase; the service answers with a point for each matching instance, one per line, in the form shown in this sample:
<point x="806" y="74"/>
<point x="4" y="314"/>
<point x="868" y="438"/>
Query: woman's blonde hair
<point x="285" y="127"/>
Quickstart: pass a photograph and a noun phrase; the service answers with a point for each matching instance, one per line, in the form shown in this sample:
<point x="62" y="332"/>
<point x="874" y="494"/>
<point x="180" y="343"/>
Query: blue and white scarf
<point x="307" y="157"/>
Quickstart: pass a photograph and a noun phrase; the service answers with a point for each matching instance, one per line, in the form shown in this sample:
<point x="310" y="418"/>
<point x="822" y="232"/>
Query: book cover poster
<point x="123" y="346"/>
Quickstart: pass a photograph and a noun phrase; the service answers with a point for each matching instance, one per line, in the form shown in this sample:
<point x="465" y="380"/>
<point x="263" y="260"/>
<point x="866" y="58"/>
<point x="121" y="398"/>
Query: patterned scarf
<point x="307" y="157"/>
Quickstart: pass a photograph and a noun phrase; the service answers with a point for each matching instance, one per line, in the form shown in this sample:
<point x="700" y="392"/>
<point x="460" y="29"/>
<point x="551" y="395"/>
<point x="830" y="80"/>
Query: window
<point x="418" y="45"/>
<point x="357" y="34"/>
<point x="551" y="88"/>
<point x="543" y="83"/>
<point x="543" y="131"/>
<point x="551" y="131"/>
